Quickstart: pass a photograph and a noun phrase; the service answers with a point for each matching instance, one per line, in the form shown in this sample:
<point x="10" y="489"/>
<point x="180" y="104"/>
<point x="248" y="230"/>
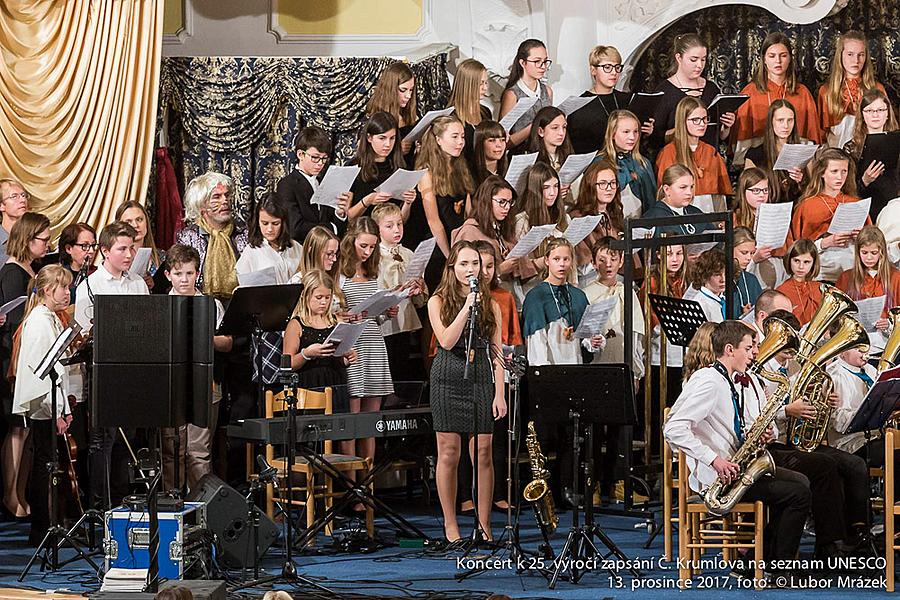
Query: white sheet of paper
<point x="641" y="233"/>
<point x="693" y="249"/>
<point x="631" y="204"/>
<point x="581" y="227"/>
<point x="849" y="216"/>
<point x="378" y="302"/>
<point x="772" y="224"/>
<point x="869" y="311"/>
<point x="344" y="336"/>
<point x="518" y="167"/>
<point x="12" y="305"/>
<point x="337" y="181"/>
<point x="266" y="276"/>
<point x="573" y="103"/>
<point x="704" y="203"/>
<point x="794" y="156"/>
<point x="595" y="317"/>
<point x="141" y="262"/>
<point x="419" y="260"/>
<point x="574" y="166"/>
<point x="531" y="240"/>
<point x="842" y="133"/>
<point x="400" y="181"/>
<point x="517" y="111"/>
<point x="425" y="121"/>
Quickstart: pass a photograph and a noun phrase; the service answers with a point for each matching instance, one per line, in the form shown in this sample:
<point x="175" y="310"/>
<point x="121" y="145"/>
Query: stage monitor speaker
<point x="226" y="517"/>
<point x="132" y="395"/>
<point x="141" y="329"/>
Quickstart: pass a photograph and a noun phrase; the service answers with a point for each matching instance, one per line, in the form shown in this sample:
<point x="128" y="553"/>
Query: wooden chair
<point x="891" y="510"/>
<point x="315" y="484"/>
<point x="698" y="530"/>
<point x="669" y="492"/>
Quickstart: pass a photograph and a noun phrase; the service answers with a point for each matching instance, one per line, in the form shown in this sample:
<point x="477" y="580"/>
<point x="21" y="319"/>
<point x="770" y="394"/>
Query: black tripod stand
<point x="57" y="536"/>
<point x="288" y="574"/>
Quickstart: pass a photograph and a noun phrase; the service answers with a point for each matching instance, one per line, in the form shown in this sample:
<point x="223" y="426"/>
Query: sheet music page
<point x="573" y="103"/>
<point x="424" y="122"/>
<point x="595" y="317"/>
<point x="794" y="156"/>
<point x="400" y="181"/>
<point x="531" y="240"/>
<point x="517" y="111"/>
<point x="378" y="302"/>
<point x="337" y="181"/>
<point x="772" y="224"/>
<point x="344" y="336"/>
<point x="518" y="166"/>
<point x="704" y="203"/>
<point x="869" y="311"/>
<point x="850" y="216"/>
<point x="419" y="260"/>
<point x="581" y="227"/>
<point x="141" y="262"/>
<point x="574" y="166"/>
<point x="265" y="276"/>
<point x="12" y="304"/>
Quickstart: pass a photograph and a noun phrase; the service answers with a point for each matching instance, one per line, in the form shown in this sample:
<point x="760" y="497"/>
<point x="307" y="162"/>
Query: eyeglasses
<point x="19" y="196"/>
<point x="545" y="63"/>
<point x="610" y="67"/>
<point x="502" y="202"/>
<point x="46" y="240"/>
<point x="698" y="120"/>
<point x="607" y="185"/>
<point x="874" y="111"/>
<point x="319" y="160"/>
<point x="331" y="254"/>
<point x="759" y="191"/>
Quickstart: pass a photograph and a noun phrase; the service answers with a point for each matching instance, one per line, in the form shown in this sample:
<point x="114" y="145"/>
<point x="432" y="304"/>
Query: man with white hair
<point x="211" y="231"/>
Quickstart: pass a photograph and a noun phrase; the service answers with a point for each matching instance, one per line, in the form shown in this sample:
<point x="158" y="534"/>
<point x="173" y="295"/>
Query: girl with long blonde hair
<point x="780" y="130"/>
<point x="395" y="93"/>
<point x="622" y="146"/>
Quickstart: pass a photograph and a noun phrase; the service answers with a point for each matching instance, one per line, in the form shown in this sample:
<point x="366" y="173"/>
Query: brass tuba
<point x="814" y="384"/>
<point x="752" y="458"/>
<point x="537" y="492"/>
<point x="835" y="303"/>
<point x="888" y="358"/>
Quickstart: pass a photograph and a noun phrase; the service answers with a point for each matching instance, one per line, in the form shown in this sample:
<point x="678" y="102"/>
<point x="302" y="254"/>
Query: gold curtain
<point x="78" y="93"/>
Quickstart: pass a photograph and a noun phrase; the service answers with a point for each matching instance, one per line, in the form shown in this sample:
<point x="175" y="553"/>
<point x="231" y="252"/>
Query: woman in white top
<point x="32" y="397"/>
<point x="270" y="244"/>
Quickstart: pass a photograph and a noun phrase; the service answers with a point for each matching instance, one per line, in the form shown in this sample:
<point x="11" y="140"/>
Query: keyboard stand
<point x="355" y="491"/>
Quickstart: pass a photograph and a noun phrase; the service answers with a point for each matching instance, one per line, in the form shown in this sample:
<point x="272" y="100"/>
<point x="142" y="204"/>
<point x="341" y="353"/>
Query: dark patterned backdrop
<point x="239" y="116"/>
<point x="734" y="35"/>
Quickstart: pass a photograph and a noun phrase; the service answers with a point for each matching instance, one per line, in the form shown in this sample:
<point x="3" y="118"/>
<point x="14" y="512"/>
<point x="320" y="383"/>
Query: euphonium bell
<point x="892" y="347"/>
<point x="780" y="337"/>
<point x="835" y="304"/>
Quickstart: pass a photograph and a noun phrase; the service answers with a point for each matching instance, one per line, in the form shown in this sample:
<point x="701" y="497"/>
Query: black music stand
<point x="679" y="318"/>
<point x="583" y="395"/>
<point x="56" y="535"/>
<point x="254" y="310"/>
<point x="882" y="399"/>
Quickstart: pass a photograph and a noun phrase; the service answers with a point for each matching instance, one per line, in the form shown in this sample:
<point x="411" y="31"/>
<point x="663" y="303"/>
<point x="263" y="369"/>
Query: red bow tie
<point x="742" y="378"/>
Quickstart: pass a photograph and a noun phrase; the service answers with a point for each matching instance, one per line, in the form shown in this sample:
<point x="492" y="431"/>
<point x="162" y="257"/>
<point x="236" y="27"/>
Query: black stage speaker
<point x="226" y="517"/>
<point x="153" y="360"/>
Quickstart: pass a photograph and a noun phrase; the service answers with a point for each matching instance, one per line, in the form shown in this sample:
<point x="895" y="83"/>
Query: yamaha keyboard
<point x="335" y="427"/>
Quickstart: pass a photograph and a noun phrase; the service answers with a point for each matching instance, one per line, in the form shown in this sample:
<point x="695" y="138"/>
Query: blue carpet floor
<point x="421" y="573"/>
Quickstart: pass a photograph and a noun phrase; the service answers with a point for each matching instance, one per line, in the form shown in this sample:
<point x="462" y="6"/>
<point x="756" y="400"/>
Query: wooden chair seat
<point x="342" y="462"/>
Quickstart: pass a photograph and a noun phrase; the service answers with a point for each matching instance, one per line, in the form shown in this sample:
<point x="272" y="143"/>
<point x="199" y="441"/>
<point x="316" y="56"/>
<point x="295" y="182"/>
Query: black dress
<point x="587" y="125"/>
<point x="451" y="211"/>
<point x="320" y="372"/>
<point x="361" y="189"/>
<point x="452" y="397"/>
<point x="13" y="283"/>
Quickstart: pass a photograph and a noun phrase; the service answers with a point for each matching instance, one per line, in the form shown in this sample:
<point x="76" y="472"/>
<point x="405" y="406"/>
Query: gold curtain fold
<point x="78" y="96"/>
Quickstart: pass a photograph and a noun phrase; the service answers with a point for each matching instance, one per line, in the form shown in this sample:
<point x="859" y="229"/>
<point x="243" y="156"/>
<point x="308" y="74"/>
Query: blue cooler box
<point x="127" y="535"/>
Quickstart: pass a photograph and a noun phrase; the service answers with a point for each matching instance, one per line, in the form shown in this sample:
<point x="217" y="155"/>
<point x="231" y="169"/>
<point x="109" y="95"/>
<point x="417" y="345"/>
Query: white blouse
<point x="31" y="396"/>
<point x="285" y="262"/>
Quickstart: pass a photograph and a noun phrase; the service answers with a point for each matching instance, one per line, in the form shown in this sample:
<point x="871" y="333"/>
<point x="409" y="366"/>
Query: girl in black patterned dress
<point x="464" y="407"/>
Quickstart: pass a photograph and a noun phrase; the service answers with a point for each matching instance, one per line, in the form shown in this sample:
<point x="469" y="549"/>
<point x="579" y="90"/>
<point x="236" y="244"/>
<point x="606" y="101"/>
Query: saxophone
<point x="537" y="492"/>
<point x="752" y="458"/>
<point x="813" y="383"/>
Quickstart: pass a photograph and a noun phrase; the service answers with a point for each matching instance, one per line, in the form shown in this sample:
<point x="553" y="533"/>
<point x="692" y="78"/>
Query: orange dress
<point x="812" y="216"/>
<point x="712" y="176"/>
<point x="851" y="94"/>
<point x="873" y="287"/>
<point x="751" y="116"/>
<point x="674" y="287"/>
<point x="805" y="296"/>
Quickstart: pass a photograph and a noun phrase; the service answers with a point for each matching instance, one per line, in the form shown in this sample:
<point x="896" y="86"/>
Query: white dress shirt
<point x="701" y="422"/>
<point x="285" y="262"/>
<point x="851" y="391"/>
<point x="31" y="396"/>
<point x="711" y="303"/>
<point x="102" y="282"/>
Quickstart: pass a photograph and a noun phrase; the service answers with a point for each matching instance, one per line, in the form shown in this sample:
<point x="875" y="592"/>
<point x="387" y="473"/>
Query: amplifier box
<point x="126" y="538"/>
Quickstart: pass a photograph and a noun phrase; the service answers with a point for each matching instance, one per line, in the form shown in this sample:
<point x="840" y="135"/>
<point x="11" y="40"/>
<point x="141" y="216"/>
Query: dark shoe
<point x="835" y="549"/>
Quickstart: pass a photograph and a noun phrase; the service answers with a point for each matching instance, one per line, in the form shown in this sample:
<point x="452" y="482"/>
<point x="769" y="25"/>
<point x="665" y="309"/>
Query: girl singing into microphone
<point x="465" y="406"/>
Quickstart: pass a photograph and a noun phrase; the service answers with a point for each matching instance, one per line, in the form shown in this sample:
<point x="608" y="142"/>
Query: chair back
<point x="306" y="400"/>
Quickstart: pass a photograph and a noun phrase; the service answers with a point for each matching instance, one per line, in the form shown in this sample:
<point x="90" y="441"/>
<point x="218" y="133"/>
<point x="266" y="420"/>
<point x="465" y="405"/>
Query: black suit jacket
<point x="293" y="193"/>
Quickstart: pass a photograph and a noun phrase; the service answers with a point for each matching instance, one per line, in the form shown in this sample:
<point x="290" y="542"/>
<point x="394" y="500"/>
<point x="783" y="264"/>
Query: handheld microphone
<point x="82" y="272"/>
<point x="473" y="283"/>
